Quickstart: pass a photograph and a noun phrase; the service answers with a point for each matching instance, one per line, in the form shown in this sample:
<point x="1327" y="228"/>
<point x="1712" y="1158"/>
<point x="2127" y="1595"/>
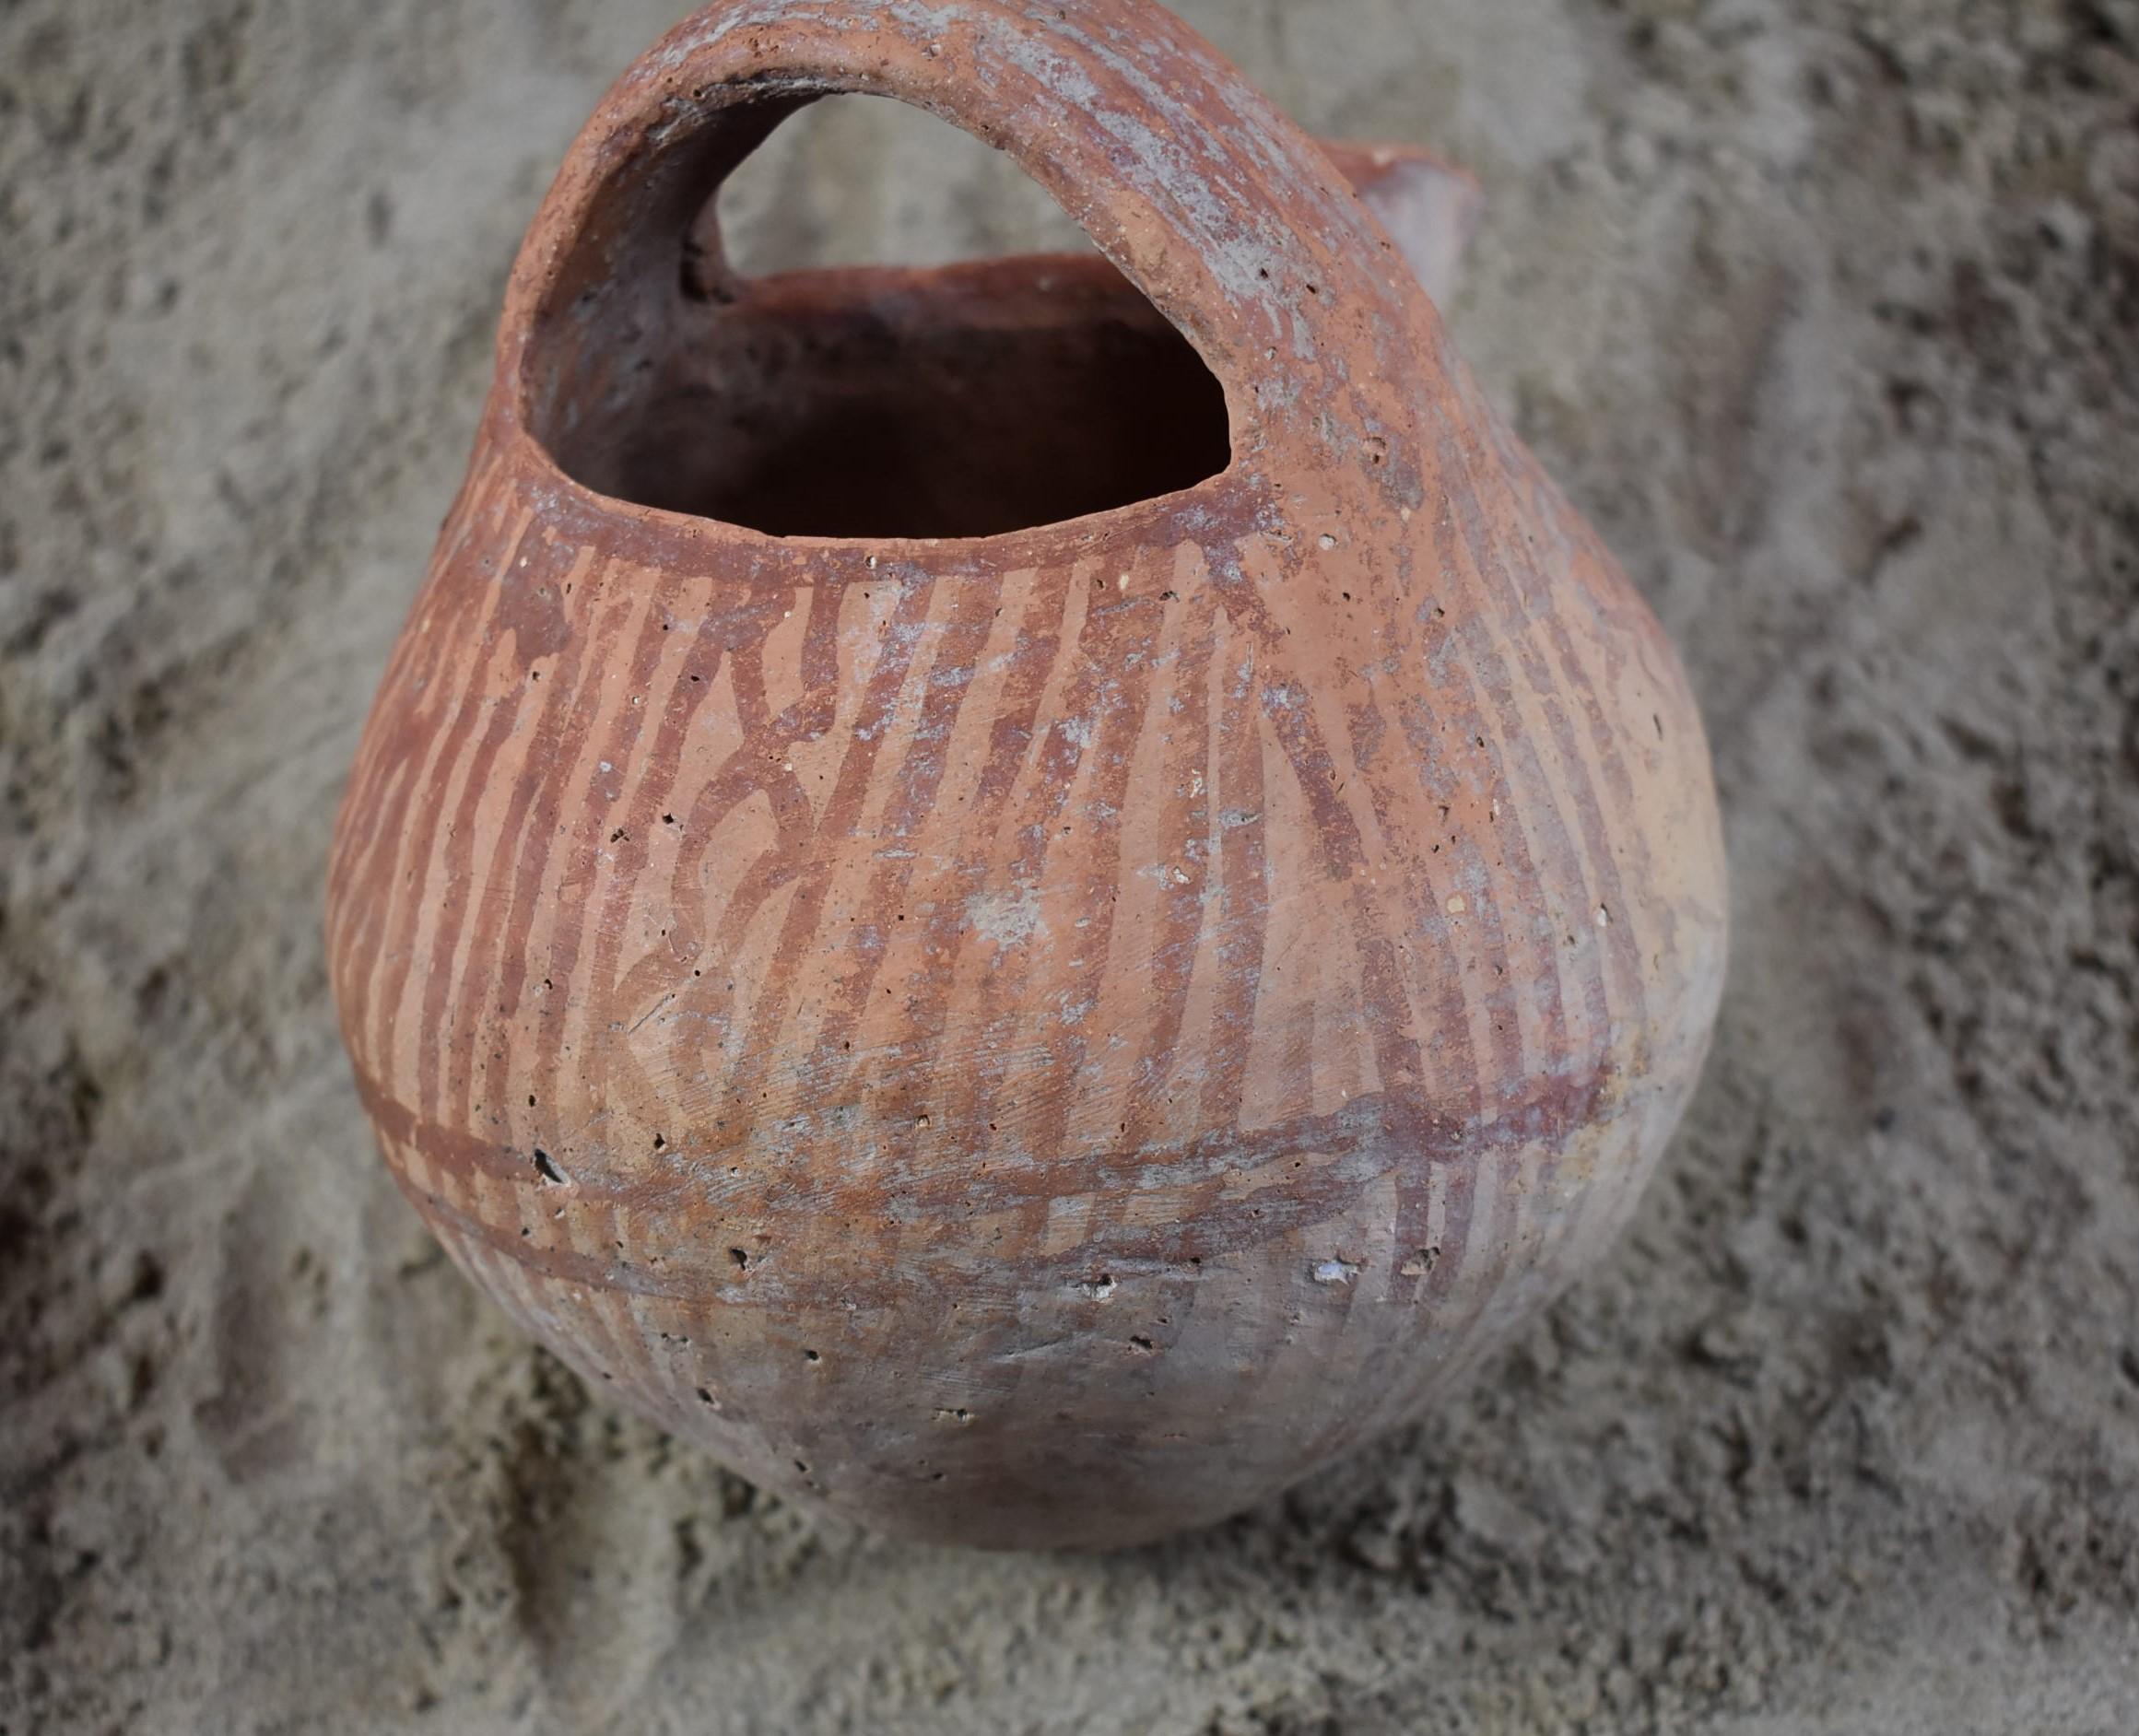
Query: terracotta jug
<point x="1027" y="898"/>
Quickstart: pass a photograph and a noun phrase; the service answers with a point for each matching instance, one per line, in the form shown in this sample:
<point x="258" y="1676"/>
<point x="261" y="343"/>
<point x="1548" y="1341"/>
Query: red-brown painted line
<point x="1359" y="1146"/>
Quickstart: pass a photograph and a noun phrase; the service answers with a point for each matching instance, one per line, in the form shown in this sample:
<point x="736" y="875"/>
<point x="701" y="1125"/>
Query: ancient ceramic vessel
<point x="1025" y="915"/>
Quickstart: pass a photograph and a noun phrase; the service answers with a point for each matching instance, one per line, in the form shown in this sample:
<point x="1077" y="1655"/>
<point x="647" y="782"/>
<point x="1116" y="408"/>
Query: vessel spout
<point x="1428" y="205"/>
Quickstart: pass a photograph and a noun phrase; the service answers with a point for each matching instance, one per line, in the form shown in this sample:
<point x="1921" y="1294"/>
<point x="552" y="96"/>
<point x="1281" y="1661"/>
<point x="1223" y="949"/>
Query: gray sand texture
<point x="1827" y="311"/>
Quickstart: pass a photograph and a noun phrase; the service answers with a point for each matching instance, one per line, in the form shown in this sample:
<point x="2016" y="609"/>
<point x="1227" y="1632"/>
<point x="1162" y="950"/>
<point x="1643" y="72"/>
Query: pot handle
<point x="1228" y="217"/>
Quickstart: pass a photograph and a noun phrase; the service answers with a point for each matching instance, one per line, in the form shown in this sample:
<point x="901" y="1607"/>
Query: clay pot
<point x="1025" y="915"/>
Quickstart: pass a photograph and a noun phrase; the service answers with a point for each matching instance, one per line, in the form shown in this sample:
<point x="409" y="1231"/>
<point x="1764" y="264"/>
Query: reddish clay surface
<point x="1030" y="1033"/>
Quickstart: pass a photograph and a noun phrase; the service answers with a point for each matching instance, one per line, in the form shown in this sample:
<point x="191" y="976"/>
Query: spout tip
<point x="1430" y="207"/>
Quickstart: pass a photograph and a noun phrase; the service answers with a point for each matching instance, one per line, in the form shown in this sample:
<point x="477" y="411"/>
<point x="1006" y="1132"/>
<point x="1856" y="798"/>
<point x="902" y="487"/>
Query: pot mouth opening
<point x="903" y="401"/>
<point x="963" y="402"/>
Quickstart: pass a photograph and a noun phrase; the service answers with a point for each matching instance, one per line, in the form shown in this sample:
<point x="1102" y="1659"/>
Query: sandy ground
<point x="1828" y="312"/>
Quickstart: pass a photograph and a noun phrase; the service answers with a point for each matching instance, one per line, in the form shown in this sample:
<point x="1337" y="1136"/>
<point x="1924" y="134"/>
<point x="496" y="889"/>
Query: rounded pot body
<point x="1047" y="1036"/>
